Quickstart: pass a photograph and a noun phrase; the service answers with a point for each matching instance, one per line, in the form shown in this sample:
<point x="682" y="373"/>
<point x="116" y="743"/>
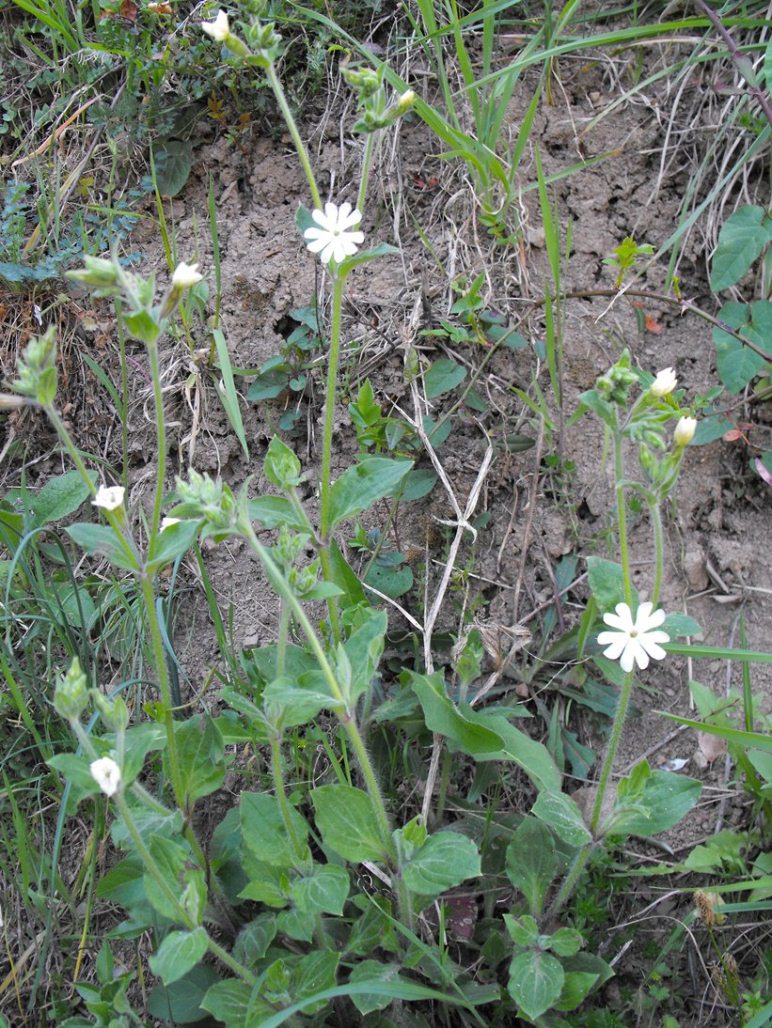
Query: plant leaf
<point x="346" y="820"/>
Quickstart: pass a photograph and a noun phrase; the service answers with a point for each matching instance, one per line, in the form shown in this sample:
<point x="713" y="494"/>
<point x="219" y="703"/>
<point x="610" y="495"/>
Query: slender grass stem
<point x="655" y="512"/>
<point x="281" y="99"/>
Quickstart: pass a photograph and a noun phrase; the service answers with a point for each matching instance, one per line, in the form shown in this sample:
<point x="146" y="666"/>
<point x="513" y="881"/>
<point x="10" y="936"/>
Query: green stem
<point x="160" y="427"/>
<point x="298" y="849"/>
<point x="329" y="407"/>
<point x="325" y="495"/>
<point x="281" y="99"/>
<point x="280" y="584"/>
<point x="659" y="550"/>
<point x="611" y="749"/>
<point x="281" y="646"/>
<point x="566" y="890"/>
<point x="367" y="161"/>
<point x="164" y="686"/>
<point x="624" y="554"/>
<point x="153" y="869"/>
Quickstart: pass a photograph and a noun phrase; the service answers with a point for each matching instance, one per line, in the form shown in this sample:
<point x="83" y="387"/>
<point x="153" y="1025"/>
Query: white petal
<point x="343" y="212"/>
<point x="628" y="657"/>
<point x="620" y="623"/>
<point x="350" y="219"/>
<point x="327" y="252"/>
<point x="321" y="219"/>
<point x="640" y="654"/>
<point x="348" y="245"/>
<point x="315" y="245"/>
<point x="654" y="651"/>
<point x="315" y="232"/>
<point x="654" y="620"/>
<point x="617" y="644"/>
<point x="331" y="212"/>
<point x="626" y="615"/>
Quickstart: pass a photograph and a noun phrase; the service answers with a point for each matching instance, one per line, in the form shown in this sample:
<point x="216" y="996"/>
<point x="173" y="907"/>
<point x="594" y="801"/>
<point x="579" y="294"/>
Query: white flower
<point x="109" y="497"/>
<point x="684" y="431"/>
<point x="634" y="642"/>
<point x="664" y="383"/>
<point x="107" y="775"/>
<point x="219" y="29"/>
<point x="186" y="276"/>
<point x="334" y="238"/>
<point x="168" y="522"/>
<point x="406" y="101"/>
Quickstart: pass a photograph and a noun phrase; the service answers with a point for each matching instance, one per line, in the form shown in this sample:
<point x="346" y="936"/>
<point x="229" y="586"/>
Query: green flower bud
<point x="71" y="694"/>
<point x="37" y="369"/>
<point x="113" y="711"/>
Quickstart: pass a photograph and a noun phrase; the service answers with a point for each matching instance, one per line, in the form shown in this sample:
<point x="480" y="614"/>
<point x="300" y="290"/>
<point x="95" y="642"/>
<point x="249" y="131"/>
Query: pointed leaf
<point x="362" y="484"/>
<point x="531" y="862"/>
<point x="346" y="820"/>
<point x="535" y="982"/>
<point x="178" y="953"/>
<point x="445" y="860"/>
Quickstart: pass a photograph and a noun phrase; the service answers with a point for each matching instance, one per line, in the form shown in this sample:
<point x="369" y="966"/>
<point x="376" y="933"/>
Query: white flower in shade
<point x="684" y="431"/>
<point x="334" y="238"/>
<point x="664" y="383"/>
<point x="186" y="276"/>
<point x="219" y="29"/>
<point x="168" y="522"/>
<point x="107" y="775"/>
<point x="634" y="641"/>
<point x="109" y="497"/>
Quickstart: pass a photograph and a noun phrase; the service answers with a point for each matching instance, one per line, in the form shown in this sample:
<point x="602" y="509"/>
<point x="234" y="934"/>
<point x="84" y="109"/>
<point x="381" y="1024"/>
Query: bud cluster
<point x="36" y="369"/>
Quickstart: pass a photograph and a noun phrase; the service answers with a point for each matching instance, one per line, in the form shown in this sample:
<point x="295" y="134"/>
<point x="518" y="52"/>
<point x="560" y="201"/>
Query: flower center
<point x="633" y="633"/>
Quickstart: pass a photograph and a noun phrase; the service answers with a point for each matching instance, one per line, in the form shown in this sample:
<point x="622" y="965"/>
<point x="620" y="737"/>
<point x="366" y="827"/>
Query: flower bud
<point x="107" y="775"/>
<point x="186" y="276"/>
<point x="71" y="694"/>
<point x="684" y="431"/>
<point x="109" y="497"/>
<point x="664" y="383"/>
<point x="113" y="712"/>
<point x="219" y="29"/>
<point x="406" y="101"/>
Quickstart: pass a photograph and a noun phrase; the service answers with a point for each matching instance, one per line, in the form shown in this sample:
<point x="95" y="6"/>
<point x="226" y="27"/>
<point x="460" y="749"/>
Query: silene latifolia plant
<point x="312" y="896"/>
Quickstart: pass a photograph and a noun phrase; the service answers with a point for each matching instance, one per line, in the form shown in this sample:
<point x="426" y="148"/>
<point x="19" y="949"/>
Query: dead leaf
<point x="711" y="746"/>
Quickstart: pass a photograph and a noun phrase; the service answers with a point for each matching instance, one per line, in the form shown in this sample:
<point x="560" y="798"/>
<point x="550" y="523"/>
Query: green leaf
<point x="169" y="544"/>
<point x="76" y="770"/>
<point x="662" y="801"/>
<point x="443" y="717"/>
<point x="742" y="240"/>
<point x="576" y="988"/>
<point x="178" y="874"/>
<point x="566" y="942"/>
<point x="417" y="484"/>
<point x="173" y="163"/>
<point x="531" y="862"/>
<point x="678" y="625"/>
<point x="391" y="581"/>
<point x="372" y="971"/>
<point x="178" y="953"/>
<point x="312" y="974"/>
<point x="266" y="884"/>
<point x="275" y="511"/>
<point x="296" y="704"/>
<point x="231" y="1002"/>
<point x="533" y="757"/>
<point x="102" y="539"/>
<point x="324" y="890"/>
<point x="442" y="376"/>
<point x="535" y="982"/>
<point x="253" y="940"/>
<point x="364" y="648"/>
<point x="344" y="577"/>
<point x="263" y="831"/>
<point x="562" y="814"/>
<point x="606" y="581"/>
<point x="227" y="392"/>
<point x="201" y="755"/>
<point x="281" y="466"/>
<point x="364" y="256"/>
<point x="346" y="820"/>
<point x="737" y="364"/>
<point x="524" y="931"/>
<point x="362" y="484"/>
<point x="445" y="860"/>
<point x="181" y="1001"/>
<point x="59" y="497"/>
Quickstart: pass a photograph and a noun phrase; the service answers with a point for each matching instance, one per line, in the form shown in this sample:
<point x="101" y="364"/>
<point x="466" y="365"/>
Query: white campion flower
<point x="168" y="522"/>
<point x="106" y="774"/>
<point x="219" y="29"/>
<point x="109" y="497"/>
<point x="186" y="276"/>
<point x="684" y="431"/>
<point x="634" y="641"/>
<point x="334" y="238"/>
<point x="664" y="383"/>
